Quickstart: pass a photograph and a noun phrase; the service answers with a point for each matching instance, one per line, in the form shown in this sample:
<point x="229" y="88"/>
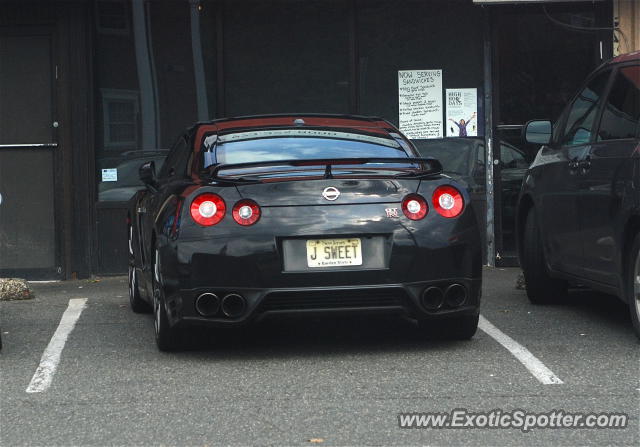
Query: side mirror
<point x="147" y="173"/>
<point x="537" y="132"/>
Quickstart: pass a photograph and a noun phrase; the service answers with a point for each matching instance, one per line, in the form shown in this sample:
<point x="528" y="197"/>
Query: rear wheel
<point x="633" y="284"/>
<point x="458" y="328"/>
<point x="166" y="336"/>
<point x="138" y="305"/>
<point x="541" y="287"/>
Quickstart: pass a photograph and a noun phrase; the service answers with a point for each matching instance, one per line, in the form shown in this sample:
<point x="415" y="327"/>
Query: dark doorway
<point x="28" y="230"/>
<point x="542" y="54"/>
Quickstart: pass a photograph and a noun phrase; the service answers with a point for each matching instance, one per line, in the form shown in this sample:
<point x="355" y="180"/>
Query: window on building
<point x="112" y="17"/>
<point x="621" y="116"/>
<point x="120" y="112"/>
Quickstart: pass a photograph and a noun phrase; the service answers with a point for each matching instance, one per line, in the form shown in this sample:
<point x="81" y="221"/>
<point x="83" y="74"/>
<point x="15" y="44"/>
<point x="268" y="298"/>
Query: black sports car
<point x="258" y="216"/>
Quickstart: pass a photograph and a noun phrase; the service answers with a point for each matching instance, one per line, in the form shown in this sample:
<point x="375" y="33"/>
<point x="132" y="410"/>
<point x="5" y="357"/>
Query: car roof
<point x="363" y="123"/>
<point x="312" y="119"/>
<point x="634" y="56"/>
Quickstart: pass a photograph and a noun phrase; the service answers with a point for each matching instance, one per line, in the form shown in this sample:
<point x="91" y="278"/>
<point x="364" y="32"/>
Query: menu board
<point x="420" y="103"/>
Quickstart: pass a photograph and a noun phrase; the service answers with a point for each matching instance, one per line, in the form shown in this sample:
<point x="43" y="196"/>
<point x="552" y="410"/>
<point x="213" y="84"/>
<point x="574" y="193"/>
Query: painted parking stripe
<point x="43" y="376"/>
<point x="530" y="361"/>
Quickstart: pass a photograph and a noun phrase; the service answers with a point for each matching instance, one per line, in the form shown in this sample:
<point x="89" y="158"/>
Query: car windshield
<point x="453" y="153"/>
<point x="249" y="147"/>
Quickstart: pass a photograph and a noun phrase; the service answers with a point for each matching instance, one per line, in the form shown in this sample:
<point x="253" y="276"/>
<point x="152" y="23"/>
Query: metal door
<point x="28" y="148"/>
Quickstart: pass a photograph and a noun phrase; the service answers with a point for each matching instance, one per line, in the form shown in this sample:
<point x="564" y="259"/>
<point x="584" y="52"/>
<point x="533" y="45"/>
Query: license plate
<point x="334" y="252"/>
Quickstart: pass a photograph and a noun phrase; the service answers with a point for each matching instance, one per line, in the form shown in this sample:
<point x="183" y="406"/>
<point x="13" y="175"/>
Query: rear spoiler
<point x="429" y="166"/>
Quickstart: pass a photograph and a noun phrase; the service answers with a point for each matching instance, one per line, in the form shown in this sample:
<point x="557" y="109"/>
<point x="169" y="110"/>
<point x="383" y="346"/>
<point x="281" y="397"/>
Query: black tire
<point x="633" y="284"/>
<point x="167" y="337"/>
<point x="541" y="287"/>
<point x="138" y="305"/>
<point x="458" y="328"/>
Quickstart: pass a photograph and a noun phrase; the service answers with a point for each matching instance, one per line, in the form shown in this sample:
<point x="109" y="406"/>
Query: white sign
<point x="420" y="103"/>
<point x="110" y="175"/>
<point x="462" y="112"/>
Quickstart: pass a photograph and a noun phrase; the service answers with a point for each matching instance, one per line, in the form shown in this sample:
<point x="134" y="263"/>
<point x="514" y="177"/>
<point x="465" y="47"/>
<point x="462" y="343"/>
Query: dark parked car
<point x="579" y="209"/>
<point x="463" y="159"/>
<point x="128" y="180"/>
<point x="260" y="216"/>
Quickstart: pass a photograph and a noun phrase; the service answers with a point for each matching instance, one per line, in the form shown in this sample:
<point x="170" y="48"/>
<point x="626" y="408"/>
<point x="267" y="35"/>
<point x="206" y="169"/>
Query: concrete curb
<point x="14" y="289"/>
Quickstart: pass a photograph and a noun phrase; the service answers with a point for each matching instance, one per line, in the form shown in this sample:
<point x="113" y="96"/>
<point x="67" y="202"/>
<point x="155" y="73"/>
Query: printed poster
<point x="462" y="112"/>
<point x="420" y="103"/>
<point x="110" y="175"/>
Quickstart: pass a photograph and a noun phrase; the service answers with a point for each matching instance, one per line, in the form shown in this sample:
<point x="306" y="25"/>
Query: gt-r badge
<point x="392" y="212"/>
<point x="331" y="193"/>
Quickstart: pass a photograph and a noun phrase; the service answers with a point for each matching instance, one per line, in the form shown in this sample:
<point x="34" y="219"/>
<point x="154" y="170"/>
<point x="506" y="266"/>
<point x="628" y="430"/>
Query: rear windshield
<point x="453" y="153"/>
<point x="257" y="146"/>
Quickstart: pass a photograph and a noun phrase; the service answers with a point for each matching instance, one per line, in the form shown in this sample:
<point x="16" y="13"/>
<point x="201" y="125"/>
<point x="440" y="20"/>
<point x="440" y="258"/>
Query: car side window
<point x="583" y="112"/>
<point x="176" y="162"/>
<point x="621" y="115"/>
<point x="511" y="158"/>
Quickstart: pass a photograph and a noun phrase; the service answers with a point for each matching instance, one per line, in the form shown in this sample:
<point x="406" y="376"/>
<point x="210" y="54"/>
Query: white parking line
<point x="43" y="376"/>
<point x="535" y="366"/>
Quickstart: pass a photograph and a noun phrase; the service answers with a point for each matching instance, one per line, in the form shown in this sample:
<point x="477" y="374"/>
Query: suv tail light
<point x="208" y="209"/>
<point x="415" y="207"/>
<point x="246" y="212"/>
<point x="448" y="201"/>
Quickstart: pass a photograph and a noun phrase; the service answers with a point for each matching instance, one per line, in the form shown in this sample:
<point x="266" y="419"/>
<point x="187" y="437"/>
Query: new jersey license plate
<point x="334" y="252"/>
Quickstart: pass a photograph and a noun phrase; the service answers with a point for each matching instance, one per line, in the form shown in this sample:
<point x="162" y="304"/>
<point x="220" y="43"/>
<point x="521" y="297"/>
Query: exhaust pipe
<point x="432" y="298"/>
<point x="207" y="304"/>
<point x="233" y="305"/>
<point x="455" y="295"/>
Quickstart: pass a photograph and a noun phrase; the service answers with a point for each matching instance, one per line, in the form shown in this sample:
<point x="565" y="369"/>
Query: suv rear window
<point x="621" y="116"/>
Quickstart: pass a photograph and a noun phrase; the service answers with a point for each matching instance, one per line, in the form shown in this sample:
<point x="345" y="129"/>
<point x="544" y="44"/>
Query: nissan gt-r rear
<point x="255" y="217"/>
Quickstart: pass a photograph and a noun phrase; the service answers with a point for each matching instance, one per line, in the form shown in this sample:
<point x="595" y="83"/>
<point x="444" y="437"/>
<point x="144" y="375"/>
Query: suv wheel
<point x="633" y="284"/>
<point x="541" y="287"/>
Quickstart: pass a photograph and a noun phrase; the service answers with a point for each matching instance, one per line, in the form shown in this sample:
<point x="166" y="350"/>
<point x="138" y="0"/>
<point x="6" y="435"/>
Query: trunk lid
<point x="310" y="192"/>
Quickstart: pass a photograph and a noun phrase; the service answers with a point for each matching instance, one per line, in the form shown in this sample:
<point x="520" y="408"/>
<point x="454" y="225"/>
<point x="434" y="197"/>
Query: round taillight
<point x="448" y="201"/>
<point x="246" y="212"/>
<point x="415" y="207"/>
<point x="208" y="209"/>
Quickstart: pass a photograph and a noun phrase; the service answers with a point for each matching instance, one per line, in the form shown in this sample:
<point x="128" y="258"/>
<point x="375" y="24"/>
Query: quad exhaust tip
<point x="233" y="305"/>
<point x="455" y="295"/>
<point x="432" y="298"/>
<point x="207" y="304"/>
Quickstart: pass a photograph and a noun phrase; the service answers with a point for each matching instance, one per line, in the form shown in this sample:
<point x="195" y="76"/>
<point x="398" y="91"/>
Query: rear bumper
<point x="388" y="299"/>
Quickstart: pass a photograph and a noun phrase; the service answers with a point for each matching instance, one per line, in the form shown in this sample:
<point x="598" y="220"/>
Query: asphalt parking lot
<point x="320" y="381"/>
